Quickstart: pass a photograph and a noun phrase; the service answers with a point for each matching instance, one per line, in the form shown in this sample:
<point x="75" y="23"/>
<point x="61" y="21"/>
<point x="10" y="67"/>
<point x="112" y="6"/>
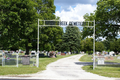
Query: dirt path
<point x="65" y="68"/>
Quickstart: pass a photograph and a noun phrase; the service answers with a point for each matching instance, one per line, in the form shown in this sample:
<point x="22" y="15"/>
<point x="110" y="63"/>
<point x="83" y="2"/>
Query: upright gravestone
<point x="26" y="60"/>
<point x="100" y="60"/>
<point x="0" y="57"/>
<point x="118" y="57"/>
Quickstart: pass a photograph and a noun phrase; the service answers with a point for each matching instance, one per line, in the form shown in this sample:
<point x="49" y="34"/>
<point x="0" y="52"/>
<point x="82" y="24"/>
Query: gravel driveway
<point x="65" y="68"/>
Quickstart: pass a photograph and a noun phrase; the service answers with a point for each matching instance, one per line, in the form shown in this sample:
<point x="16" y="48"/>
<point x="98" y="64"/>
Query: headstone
<point x="62" y="53"/>
<point x="118" y="57"/>
<point x="69" y="53"/>
<point x="13" y="56"/>
<point x="9" y="54"/>
<point x="0" y="55"/>
<point x="97" y="53"/>
<point x="41" y="55"/>
<point x="26" y="60"/>
<point x="109" y="58"/>
<point x="100" y="61"/>
<point x="6" y="52"/>
<point x="0" y="58"/>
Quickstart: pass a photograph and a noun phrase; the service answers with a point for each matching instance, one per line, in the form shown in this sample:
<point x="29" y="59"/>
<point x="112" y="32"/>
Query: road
<point x="66" y="68"/>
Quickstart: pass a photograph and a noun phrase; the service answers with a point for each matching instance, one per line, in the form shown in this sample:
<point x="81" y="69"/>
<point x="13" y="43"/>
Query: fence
<point x="16" y="60"/>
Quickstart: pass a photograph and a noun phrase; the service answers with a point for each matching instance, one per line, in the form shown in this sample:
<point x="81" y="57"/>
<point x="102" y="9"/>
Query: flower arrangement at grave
<point x="6" y="57"/>
<point x="52" y="54"/>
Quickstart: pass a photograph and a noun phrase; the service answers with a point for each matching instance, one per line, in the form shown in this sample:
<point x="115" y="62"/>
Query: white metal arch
<point x="48" y="23"/>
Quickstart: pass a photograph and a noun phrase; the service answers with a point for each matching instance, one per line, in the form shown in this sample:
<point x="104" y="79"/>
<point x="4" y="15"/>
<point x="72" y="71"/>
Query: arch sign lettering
<point x="65" y="23"/>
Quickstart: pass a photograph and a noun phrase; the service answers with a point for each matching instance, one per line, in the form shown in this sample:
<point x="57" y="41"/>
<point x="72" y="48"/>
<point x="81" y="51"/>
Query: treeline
<point x="87" y="45"/>
<point x="107" y="20"/>
<point x="18" y="25"/>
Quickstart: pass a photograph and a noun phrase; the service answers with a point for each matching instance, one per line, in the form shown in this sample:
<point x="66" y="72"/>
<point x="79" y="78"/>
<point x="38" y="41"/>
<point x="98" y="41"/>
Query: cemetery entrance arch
<point x="47" y="23"/>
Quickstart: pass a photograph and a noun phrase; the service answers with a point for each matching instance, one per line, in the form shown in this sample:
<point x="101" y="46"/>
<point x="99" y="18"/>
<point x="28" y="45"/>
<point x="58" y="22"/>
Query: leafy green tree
<point x="18" y="26"/>
<point x="106" y="44"/>
<point x="107" y="17"/>
<point x="99" y="46"/>
<point x="118" y="45"/>
<point x="88" y="31"/>
<point x="113" y="46"/>
<point x="82" y="45"/>
<point x="46" y="9"/>
<point x="87" y="45"/>
<point x="71" y="39"/>
<point x="18" y="19"/>
<point x="49" y="36"/>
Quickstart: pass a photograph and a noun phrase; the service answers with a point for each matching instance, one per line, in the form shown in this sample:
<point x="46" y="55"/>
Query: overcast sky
<point x="74" y="9"/>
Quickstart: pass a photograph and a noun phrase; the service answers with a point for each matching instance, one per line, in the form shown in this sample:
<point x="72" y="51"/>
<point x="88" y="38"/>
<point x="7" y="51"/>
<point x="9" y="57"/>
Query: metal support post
<point x="2" y="57"/>
<point x="37" y="57"/>
<point x="17" y="59"/>
<point x="94" y="47"/>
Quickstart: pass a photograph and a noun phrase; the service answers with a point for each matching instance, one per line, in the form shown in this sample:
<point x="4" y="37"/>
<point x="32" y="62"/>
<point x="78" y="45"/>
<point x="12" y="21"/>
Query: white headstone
<point x="100" y="61"/>
<point x="118" y="57"/>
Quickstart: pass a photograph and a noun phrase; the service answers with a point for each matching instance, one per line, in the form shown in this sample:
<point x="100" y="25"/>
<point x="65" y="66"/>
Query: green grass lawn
<point x="43" y="62"/>
<point x="105" y="70"/>
<point x="86" y="58"/>
<point x="108" y="71"/>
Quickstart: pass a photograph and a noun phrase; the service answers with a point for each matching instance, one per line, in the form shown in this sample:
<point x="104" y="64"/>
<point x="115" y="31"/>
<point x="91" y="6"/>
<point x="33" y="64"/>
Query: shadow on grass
<point x="84" y="63"/>
<point x="110" y="65"/>
<point x="43" y="56"/>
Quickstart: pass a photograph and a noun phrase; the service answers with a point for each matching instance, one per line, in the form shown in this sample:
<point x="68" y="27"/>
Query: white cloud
<point x="76" y="13"/>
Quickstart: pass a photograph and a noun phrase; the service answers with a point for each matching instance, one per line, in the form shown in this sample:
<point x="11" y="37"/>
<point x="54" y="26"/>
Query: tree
<point x="107" y="17"/>
<point x="49" y="36"/>
<point x="88" y="31"/>
<point x="46" y="9"/>
<point x="115" y="45"/>
<point x="18" y="19"/>
<point x="19" y="24"/>
<point x="71" y="39"/>
<point x="99" y="46"/>
<point x="87" y="44"/>
<point x="118" y="45"/>
<point x="82" y="45"/>
<point x="106" y="44"/>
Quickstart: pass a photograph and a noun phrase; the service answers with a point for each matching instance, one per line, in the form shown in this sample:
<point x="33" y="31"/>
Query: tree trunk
<point x="71" y="51"/>
<point x="27" y="49"/>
